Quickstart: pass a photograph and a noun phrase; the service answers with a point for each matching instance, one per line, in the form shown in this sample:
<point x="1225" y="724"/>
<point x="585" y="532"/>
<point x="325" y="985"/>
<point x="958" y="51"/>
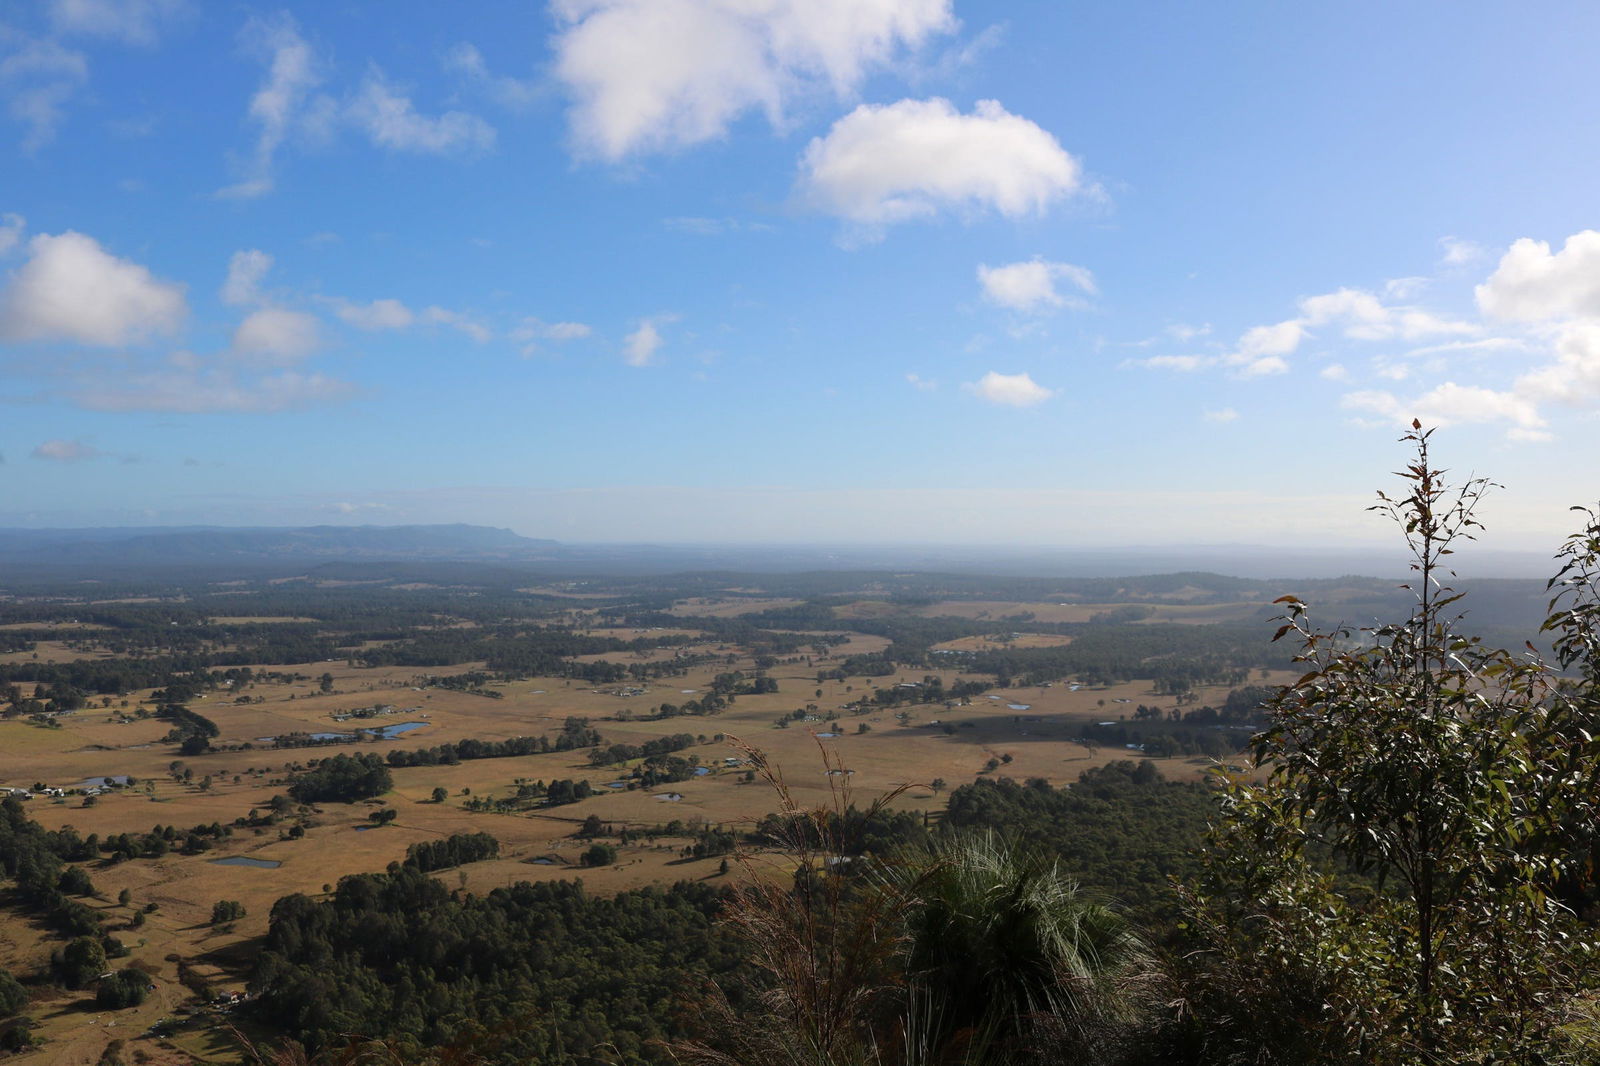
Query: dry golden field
<point x="1031" y="726"/>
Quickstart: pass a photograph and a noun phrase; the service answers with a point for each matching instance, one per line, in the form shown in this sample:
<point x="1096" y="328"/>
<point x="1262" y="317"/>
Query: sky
<point x="923" y="271"/>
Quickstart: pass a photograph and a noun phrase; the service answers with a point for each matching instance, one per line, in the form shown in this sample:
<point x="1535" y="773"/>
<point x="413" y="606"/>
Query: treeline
<point x="575" y="733"/>
<point x="1102" y="655"/>
<point x="550" y="970"/>
<point x="507" y="651"/>
<point x="621" y="753"/>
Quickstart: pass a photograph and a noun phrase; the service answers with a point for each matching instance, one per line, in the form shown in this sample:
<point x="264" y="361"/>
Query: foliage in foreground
<point x="1458" y="783"/>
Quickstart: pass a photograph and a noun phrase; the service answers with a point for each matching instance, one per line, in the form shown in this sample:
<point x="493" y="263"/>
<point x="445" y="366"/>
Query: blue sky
<point x="794" y="270"/>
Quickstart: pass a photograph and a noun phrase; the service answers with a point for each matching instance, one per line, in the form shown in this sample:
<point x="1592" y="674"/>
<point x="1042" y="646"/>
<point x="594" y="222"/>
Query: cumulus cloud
<point x="920" y="383"/>
<point x="275" y="335"/>
<point x="1574" y="377"/>
<point x="66" y="451"/>
<point x="648" y="75"/>
<point x="1009" y="390"/>
<point x="390" y="120"/>
<point x="245" y="271"/>
<point x="1531" y="283"/>
<point x="283" y="98"/>
<point x="1030" y="286"/>
<point x="639" y="347"/>
<point x="1355" y="313"/>
<point x="1451" y="404"/>
<point x="133" y="21"/>
<point x="37" y="80"/>
<point x="885" y="164"/>
<point x="70" y="288"/>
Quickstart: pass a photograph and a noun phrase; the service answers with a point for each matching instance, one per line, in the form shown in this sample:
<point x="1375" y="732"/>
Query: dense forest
<point x="533" y="973"/>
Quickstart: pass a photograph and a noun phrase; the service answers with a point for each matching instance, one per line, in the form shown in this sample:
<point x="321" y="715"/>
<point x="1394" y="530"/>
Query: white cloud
<point x="439" y="316"/>
<point x="1450" y="404"/>
<point x="274" y="335"/>
<point x="200" y="392"/>
<point x="37" y="79"/>
<point x="567" y="331"/>
<point x="1407" y="288"/>
<point x="11" y="229"/>
<point x="134" y="21"/>
<point x="245" y="271"/>
<point x="389" y="313"/>
<point x="1279" y="339"/>
<point x="648" y="75"/>
<point x="66" y="451"/>
<point x="379" y="314"/>
<point x="72" y="289"/>
<point x="1574" y="377"/>
<point x="282" y="99"/>
<point x="1224" y="415"/>
<point x="714" y="227"/>
<point x="534" y="329"/>
<point x="1334" y="372"/>
<point x="347" y="507"/>
<point x="1262" y="367"/>
<point x="639" y="347"/>
<point x="1030" y="286"/>
<point x="389" y="119"/>
<point x="1183" y="363"/>
<point x="880" y="165"/>
<point x="1356" y="313"/>
<point x="1531" y="284"/>
<point x="514" y="93"/>
<point x="1009" y="390"/>
<point x="1453" y="251"/>
<point x="921" y="384"/>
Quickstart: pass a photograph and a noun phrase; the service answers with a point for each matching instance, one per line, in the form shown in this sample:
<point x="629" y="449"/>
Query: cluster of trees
<point x="226" y="910"/>
<point x="343" y="778"/>
<point x="120" y="847"/>
<point x="124" y="988"/>
<point x="29" y="857"/>
<point x="455" y="850"/>
<point x="15" y="1027"/>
